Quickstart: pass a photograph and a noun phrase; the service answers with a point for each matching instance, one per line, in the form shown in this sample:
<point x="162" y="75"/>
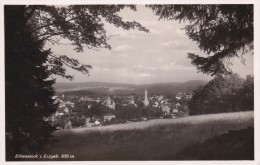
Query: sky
<point x="142" y="58"/>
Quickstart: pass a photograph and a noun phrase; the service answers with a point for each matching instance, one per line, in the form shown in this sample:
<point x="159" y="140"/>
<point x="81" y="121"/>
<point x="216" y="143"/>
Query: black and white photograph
<point x="129" y="82"/>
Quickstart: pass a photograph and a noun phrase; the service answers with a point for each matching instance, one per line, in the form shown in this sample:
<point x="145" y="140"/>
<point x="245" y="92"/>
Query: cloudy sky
<point x="139" y="57"/>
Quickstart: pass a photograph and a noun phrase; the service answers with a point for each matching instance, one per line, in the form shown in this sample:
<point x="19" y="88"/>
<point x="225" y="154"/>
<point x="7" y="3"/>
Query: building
<point x="177" y="105"/>
<point x="146" y="102"/>
<point x="89" y="106"/>
<point x="109" y="117"/>
<point x="175" y="111"/>
<point x="166" y="110"/>
<point x="68" y="124"/>
<point x="97" y="123"/>
<point x="88" y="123"/>
<point x="109" y="103"/>
<point x="156" y="104"/>
<point x="66" y="110"/>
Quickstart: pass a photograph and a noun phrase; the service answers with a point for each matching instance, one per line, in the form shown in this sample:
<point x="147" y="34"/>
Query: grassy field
<point x="159" y="139"/>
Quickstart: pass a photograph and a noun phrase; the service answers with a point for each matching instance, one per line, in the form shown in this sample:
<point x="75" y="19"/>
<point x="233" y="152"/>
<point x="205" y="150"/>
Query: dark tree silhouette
<point x="28" y="90"/>
<point x="221" y="31"/>
<point x="226" y="93"/>
<point x="28" y="65"/>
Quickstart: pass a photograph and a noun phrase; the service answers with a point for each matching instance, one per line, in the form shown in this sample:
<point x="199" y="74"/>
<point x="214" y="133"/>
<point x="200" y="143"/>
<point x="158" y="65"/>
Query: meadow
<point x="160" y="139"/>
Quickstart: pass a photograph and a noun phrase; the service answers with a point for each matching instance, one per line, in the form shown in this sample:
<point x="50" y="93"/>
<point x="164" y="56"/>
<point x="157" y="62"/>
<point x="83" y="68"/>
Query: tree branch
<point x="38" y="28"/>
<point x="30" y="14"/>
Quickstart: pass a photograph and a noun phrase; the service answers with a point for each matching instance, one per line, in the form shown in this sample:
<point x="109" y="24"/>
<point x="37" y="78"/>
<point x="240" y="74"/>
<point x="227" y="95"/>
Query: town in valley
<point x="85" y="110"/>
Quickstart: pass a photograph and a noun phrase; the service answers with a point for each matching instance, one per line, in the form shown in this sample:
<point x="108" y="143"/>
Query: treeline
<point x="226" y="93"/>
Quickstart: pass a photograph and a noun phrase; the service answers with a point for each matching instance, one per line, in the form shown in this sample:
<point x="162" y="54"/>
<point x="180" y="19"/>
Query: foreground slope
<point x="161" y="139"/>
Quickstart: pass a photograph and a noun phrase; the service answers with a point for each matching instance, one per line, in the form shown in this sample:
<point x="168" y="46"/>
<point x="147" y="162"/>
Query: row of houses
<point x="156" y="101"/>
<point x="89" y="122"/>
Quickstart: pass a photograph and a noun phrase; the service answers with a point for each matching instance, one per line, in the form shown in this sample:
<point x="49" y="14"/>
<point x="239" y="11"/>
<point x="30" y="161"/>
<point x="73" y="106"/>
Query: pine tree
<point x="29" y="90"/>
<point x="222" y="31"/>
<point x="28" y="65"/>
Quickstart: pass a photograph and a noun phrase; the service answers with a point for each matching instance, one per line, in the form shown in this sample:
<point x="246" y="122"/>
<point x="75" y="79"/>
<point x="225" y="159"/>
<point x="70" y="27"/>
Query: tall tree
<point x="226" y="93"/>
<point x="221" y="31"/>
<point x="28" y="90"/>
<point x="28" y="65"/>
<point x="247" y="93"/>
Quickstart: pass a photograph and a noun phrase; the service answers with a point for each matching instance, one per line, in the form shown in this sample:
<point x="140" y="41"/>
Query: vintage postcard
<point x="101" y="82"/>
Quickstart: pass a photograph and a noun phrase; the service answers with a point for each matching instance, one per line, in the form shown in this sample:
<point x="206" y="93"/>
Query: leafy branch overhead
<point x="56" y="66"/>
<point x="82" y="25"/>
<point x="221" y="31"/>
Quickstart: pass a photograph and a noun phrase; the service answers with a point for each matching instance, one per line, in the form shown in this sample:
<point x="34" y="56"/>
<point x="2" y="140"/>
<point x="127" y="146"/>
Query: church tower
<point x="146" y="102"/>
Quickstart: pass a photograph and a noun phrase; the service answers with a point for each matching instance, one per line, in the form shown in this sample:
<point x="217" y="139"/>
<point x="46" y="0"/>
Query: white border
<point x="81" y="2"/>
<point x="67" y="2"/>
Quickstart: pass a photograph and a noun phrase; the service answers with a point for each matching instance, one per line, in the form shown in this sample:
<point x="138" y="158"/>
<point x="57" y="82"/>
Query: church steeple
<point x="146" y="102"/>
<point x="145" y="94"/>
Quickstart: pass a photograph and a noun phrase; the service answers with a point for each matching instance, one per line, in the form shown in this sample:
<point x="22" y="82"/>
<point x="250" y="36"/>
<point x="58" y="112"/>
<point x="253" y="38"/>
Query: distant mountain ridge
<point x="103" y="88"/>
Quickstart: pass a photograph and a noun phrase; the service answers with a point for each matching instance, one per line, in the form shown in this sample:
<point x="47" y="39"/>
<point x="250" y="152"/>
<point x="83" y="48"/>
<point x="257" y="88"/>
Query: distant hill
<point x="104" y="88"/>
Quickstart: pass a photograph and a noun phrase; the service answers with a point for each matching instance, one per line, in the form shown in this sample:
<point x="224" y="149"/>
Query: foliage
<point x="113" y="121"/>
<point x="76" y="121"/>
<point x="98" y="109"/>
<point x="183" y="109"/>
<point x="83" y="25"/>
<point x="29" y="66"/>
<point x="28" y="90"/>
<point x="128" y="112"/>
<point x="247" y="91"/>
<point x="152" y="112"/>
<point x="223" y="94"/>
<point x="182" y="101"/>
<point x="221" y="31"/>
